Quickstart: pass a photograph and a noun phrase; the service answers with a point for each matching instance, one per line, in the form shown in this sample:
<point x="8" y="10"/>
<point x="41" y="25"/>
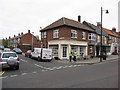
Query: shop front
<point x="62" y="48"/>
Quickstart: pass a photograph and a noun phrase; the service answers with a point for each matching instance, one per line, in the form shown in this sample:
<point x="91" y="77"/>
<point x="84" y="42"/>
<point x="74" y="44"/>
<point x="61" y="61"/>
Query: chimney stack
<point x="114" y="29"/>
<point x="28" y="31"/>
<point x="79" y="18"/>
<point x="22" y="33"/>
<point x="14" y="35"/>
<point x="9" y="37"/>
<point x="19" y="34"/>
<point x="99" y="24"/>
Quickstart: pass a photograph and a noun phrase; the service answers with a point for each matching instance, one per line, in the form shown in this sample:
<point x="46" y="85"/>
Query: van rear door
<point x="47" y="54"/>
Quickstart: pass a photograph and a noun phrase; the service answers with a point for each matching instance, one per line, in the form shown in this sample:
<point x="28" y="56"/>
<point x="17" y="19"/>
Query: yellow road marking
<point x="1" y="73"/>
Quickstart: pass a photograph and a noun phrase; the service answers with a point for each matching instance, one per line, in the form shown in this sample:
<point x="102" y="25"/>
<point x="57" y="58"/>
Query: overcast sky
<point x="18" y="16"/>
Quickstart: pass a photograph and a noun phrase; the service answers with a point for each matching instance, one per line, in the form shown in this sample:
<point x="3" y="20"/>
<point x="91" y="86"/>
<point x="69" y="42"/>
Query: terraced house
<point x="97" y="44"/>
<point x="23" y="41"/>
<point x="66" y="35"/>
<point x="112" y="40"/>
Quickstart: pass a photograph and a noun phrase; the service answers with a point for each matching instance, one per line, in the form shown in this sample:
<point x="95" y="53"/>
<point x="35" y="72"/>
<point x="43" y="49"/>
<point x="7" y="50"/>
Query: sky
<point x="17" y="16"/>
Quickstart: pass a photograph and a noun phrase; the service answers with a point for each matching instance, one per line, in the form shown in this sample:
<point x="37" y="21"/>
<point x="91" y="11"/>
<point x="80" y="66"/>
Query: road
<point x="34" y="74"/>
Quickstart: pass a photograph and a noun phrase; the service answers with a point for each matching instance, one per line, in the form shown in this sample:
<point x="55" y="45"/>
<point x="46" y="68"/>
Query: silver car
<point x="9" y="59"/>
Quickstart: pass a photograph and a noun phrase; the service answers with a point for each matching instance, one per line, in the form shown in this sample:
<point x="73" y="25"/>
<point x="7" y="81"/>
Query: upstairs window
<point x="73" y="34"/>
<point x="98" y="38"/>
<point x="91" y="36"/>
<point x="56" y="34"/>
<point x="44" y="35"/>
<point x="83" y="35"/>
<point x="105" y="40"/>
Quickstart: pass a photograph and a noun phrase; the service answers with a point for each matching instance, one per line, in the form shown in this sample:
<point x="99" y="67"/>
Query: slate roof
<point x="67" y="22"/>
<point x="97" y="29"/>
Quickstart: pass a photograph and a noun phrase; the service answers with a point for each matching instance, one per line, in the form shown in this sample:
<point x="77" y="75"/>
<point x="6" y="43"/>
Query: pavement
<point x="94" y="60"/>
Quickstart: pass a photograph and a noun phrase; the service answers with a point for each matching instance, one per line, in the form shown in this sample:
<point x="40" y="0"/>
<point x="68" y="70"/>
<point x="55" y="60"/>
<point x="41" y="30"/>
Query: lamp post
<point x="32" y="40"/>
<point x="101" y="50"/>
<point x="41" y="37"/>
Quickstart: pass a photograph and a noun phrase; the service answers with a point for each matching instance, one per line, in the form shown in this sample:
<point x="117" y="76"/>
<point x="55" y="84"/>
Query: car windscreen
<point x="7" y="55"/>
<point x="18" y="50"/>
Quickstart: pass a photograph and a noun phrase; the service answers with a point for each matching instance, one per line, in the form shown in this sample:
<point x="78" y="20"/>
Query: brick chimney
<point x="79" y="18"/>
<point x="114" y="29"/>
<point x="22" y="33"/>
<point x="28" y="31"/>
<point x="99" y="24"/>
<point x="19" y="34"/>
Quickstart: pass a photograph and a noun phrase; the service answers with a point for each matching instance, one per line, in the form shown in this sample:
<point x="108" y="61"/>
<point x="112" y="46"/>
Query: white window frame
<point x="98" y="38"/>
<point x="105" y="40"/>
<point x="81" y="51"/>
<point x="90" y="35"/>
<point x="73" y="33"/>
<point x="55" y="33"/>
<point x="54" y="50"/>
<point x="91" y="50"/>
<point x="83" y="35"/>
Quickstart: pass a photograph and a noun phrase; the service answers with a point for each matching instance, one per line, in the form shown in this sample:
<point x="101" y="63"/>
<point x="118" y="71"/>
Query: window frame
<point x="73" y="33"/>
<point x="44" y="34"/>
<point x="56" y="33"/>
<point x="84" y="35"/>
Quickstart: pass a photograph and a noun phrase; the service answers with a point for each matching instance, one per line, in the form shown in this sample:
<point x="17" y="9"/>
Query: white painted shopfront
<point x="62" y="48"/>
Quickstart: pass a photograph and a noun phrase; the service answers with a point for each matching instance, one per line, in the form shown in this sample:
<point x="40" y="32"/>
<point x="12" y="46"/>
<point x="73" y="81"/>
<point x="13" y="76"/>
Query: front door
<point x="64" y="52"/>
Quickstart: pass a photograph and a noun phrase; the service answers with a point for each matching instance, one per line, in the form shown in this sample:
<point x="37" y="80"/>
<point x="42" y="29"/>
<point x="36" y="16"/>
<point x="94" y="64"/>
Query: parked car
<point x="42" y="54"/>
<point x="9" y="59"/>
<point x="6" y="50"/>
<point x="28" y="53"/>
<point x="17" y="50"/>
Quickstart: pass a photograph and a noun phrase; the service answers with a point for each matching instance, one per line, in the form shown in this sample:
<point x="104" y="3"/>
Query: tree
<point x="5" y="43"/>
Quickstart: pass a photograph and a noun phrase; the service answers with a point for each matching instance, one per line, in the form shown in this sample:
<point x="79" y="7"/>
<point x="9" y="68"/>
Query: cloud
<point x="20" y="15"/>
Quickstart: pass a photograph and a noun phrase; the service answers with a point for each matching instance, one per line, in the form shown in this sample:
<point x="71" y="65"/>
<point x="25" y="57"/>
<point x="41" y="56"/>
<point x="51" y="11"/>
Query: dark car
<point x="17" y="50"/>
<point x="28" y="53"/>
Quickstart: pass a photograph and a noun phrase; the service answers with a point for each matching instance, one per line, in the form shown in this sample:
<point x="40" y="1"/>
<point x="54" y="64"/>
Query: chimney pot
<point x="79" y="18"/>
<point x="99" y="24"/>
<point x="28" y="31"/>
<point x="114" y="29"/>
<point x="22" y="33"/>
<point x="14" y="35"/>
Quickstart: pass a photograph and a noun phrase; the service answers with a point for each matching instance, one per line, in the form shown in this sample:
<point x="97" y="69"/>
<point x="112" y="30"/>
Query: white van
<point x="42" y="54"/>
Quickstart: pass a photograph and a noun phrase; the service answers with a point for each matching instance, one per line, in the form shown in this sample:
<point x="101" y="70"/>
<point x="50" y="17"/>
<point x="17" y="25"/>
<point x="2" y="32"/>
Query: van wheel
<point x="29" y="56"/>
<point x="39" y="58"/>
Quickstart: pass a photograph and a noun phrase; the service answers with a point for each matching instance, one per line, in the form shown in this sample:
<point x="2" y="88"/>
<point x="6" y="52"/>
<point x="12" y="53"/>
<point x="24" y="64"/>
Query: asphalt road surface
<point x="34" y="74"/>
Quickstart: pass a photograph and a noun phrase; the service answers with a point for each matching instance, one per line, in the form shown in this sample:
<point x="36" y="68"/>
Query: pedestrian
<point x="75" y="55"/>
<point x="70" y="56"/>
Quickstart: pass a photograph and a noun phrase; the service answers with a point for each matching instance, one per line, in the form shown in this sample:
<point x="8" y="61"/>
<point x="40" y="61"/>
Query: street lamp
<point x="41" y="36"/>
<point x="101" y="51"/>
<point x="32" y="40"/>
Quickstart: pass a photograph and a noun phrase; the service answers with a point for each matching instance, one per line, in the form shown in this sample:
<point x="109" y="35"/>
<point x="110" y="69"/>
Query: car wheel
<point x="25" y="55"/>
<point x="17" y="68"/>
<point x="39" y="58"/>
<point x="29" y="56"/>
